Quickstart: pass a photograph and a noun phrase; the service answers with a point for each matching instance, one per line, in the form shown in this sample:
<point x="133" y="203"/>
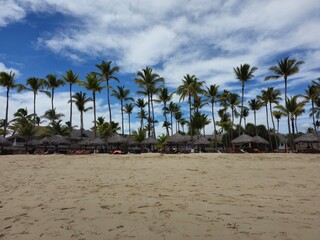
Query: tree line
<point x="153" y="90"/>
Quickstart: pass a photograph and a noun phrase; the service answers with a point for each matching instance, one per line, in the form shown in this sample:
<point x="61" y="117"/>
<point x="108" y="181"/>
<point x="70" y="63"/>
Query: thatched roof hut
<point x="35" y="142"/>
<point x="244" y="138"/>
<point x="4" y="142"/>
<point x="92" y="142"/>
<point x="56" y="140"/>
<point x="202" y="141"/>
<point x="117" y="139"/>
<point x="150" y="140"/>
<point x="132" y="141"/>
<point x="260" y="140"/>
<point x="308" y="138"/>
<point x="177" y="139"/>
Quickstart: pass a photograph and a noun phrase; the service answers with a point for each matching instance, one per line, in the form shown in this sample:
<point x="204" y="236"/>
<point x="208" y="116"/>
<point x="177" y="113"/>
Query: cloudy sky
<point x="202" y="37"/>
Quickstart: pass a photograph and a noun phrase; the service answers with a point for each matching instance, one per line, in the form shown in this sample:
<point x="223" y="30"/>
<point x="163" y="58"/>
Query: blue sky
<point x="178" y="37"/>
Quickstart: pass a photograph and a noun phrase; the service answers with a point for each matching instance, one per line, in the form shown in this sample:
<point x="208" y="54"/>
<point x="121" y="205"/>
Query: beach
<point x="154" y="196"/>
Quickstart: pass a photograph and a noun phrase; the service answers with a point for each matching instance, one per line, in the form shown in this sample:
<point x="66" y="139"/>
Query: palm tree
<point x="233" y="102"/>
<point x="164" y="97"/>
<point x="57" y="128"/>
<point x="311" y="94"/>
<point x="35" y="85"/>
<point x="70" y="78"/>
<point x="245" y="114"/>
<point x="255" y="105"/>
<point x="52" y="83"/>
<point x="212" y="95"/>
<point x="285" y="68"/>
<point x="139" y="135"/>
<point x="26" y="130"/>
<point x="172" y="108"/>
<point x="243" y="73"/>
<point x="148" y="81"/>
<point x="140" y="103"/>
<point x="107" y="73"/>
<point x="80" y="99"/>
<point x="7" y="80"/>
<point x="277" y="115"/>
<point x="190" y="88"/>
<point x="291" y="108"/>
<point x="123" y="95"/>
<point x="52" y="116"/>
<point x="21" y="117"/>
<point x="93" y="84"/>
<point x="264" y="98"/>
<point x="223" y="99"/>
<point x="272" y="96"/>
<point x="128" y="108"/>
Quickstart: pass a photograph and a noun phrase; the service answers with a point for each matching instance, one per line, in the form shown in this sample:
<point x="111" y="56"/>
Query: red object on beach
<point x="116" y="152"/>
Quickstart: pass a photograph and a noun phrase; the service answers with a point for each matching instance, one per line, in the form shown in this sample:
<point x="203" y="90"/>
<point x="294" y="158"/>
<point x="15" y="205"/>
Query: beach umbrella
<point x="35" y="142"/>
<point x="308" y="138"/>
<point x="4" y="142"/>
<point x="132" y="141"/>
<point x="244" y="138"/>
<point x="258" y="139"/>
<point x="92" y="142"/>
<point x="150" y="141"/>
<point x="177" y="138"/>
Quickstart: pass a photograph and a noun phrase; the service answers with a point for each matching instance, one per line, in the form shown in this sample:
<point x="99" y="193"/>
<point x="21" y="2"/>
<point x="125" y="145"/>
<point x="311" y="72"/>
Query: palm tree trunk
<point x="94" y="114"/>
<point x="141" y="120"/>
<point x="270" y="142"/>
<point x="70" y="109"/>
<point x="242" y="93"/>
<point x="149" y="117"/>
<point x="171" y="123"/>
<point x="152" y="108"/>
<point x="255" y="122"/>
<point x="7" y="111"/>
<point x="271" y="113"/>
<point x="313" y="119"/>
<point x="285" y="100"/>
<point x="129" y="124"/>
<point x="109" y="106"/>
<point x="165" y="117"/>
<point x="191" y="130"/>
<point x="52" y="97"/>
<point x="122" y="120"/>
<point x="81" y="124"/>
<point x="293" y="131"/>
<point x="214" y="126"/>
<point x="34" y="108"/>
<point x="296" y="124"/>
<point x="278" y="123"/>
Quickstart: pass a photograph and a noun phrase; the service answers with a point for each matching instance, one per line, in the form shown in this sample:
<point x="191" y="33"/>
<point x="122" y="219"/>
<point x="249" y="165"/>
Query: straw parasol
<point x="244" y="138"/>
<point x="260" y="140"/>
<point x="202" y="141"/>
<point x="150" y="140"/>
<point x="308" y="138"/>
<point x="4" y="142"/>
<point x="56" y="140"/>
<point x="35" y="142"/>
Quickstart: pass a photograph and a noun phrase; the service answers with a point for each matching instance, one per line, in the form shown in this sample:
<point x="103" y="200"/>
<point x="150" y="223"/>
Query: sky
<point x="204" y="38"/>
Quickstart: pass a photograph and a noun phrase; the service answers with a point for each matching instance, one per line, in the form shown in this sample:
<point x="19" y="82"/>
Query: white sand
<point x="149" y="196"/>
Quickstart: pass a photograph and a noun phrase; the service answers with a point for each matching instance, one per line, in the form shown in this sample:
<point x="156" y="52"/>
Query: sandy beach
<point x="153" y="196"/>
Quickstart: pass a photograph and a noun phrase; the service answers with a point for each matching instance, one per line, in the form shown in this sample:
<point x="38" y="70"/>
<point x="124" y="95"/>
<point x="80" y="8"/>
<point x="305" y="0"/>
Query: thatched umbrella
<point x="244" y="138"/>
<point x="177" y="138"/>
<point x="35" y="142"/>
<point x="308" y="138"/>
<point x="132" y="141"/>
<point x="117" y="139"/>
<point x="260" y="140"/>
<point x="4" y="142"/>
<point x="92" y="142"/>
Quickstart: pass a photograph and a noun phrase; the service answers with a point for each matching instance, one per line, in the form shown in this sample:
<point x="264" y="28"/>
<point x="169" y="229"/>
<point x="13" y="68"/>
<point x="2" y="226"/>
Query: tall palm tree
<point x="36" y="85"/>
<point x="52" y="115"/>
<point x="80" y="99"/>
<point x="212" y="94"/>
<point x="70" y="78"/>
<point x="290" y="109"/>
<point x="255" y="105"/>
<point x="107" y="73"/>
<point x="311" y="94"/>
<point x="164" y="97"/>
<point x="233" y="102"/>
<point x="272" y="96"/>
<point x="264" y="98"/>
<point x="52" y="83"/>
<point x="286" y="67"/>
<point x="149" y="82"/>
<point x="245" y="114"/>
<point x="140" y="103"/>
<point x="7" y="80"/>
<point x="243" y="73"/>
<point x="223" y="99"/>
<point x="93" y="84"/>
<point x="172" y="108"/>
<point x="128" y="108"/>
<point x="190" y="88"/>
<point x="122" y="94"/>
